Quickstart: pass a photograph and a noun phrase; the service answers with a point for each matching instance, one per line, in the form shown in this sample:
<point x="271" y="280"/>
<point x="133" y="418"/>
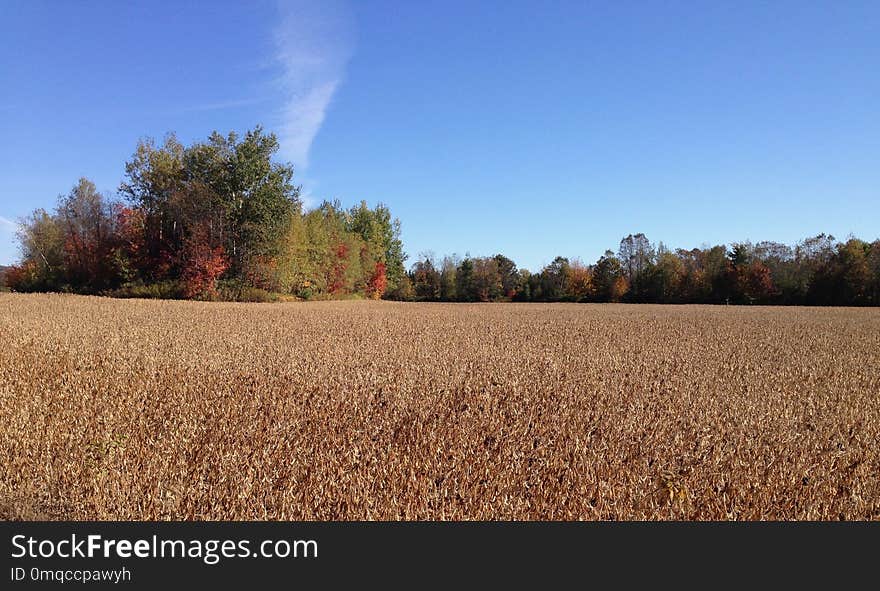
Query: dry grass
<point x="360" y="410"/>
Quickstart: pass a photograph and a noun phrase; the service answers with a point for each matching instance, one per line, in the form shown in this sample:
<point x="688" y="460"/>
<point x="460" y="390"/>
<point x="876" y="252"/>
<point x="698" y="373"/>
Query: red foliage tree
<point x="755" y="281"/>
<point x="21" y="277"/>
<point x="85" y="259"/>
<point x="202" y="265"/>
<point x="378" y="282"/>
<point x="129" y="242"/>
<point x="262" y="272"/>
<point x="336" y="284"/>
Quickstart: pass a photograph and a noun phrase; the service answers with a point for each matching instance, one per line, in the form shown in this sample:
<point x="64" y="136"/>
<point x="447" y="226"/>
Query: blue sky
<point x="528" y="128"/>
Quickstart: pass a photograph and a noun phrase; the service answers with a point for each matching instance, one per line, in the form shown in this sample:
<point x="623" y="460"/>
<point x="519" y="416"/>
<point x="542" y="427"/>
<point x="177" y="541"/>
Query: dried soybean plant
<point x="113" y="409"/>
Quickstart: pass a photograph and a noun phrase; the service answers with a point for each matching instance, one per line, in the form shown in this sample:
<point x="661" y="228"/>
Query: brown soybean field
<point x="153" y="410"/>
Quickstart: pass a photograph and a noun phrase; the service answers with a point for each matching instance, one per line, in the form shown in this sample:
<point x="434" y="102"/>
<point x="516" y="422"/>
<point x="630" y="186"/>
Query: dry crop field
<point x="113" y="409"/>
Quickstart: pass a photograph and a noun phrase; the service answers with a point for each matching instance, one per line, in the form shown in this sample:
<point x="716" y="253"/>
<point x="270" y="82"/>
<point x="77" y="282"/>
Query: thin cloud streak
<point x="308" y="197"/>
<point x="8" y="224"/>
<point x="314" y="42"/>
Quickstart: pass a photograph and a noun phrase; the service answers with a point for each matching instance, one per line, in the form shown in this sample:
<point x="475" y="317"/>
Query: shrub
<point x="235" y="291"/>
<point x="171" y="290"/>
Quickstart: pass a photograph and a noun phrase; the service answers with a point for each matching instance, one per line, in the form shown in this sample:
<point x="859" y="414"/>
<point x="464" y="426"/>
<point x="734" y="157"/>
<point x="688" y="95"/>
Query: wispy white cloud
<point x="7" y="224"/>
<point x="307" y="192"/>
<point x="314" y="41"/>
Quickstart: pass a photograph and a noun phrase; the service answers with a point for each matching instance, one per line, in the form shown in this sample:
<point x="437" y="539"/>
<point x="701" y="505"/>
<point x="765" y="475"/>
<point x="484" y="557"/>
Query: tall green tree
<point x="227" y="187"/>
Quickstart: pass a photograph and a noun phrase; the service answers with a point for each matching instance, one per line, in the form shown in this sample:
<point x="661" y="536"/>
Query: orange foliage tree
<point x="578" y="281"/>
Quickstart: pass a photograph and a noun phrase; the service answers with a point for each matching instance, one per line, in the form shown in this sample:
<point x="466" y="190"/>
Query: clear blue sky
<point x="528" y="128"/>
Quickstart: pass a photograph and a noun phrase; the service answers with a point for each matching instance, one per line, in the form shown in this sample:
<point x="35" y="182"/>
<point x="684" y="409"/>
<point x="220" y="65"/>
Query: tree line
<point x="214" y="220"/>
<point x="219" y="219"/>
<point x="816" y="271"/>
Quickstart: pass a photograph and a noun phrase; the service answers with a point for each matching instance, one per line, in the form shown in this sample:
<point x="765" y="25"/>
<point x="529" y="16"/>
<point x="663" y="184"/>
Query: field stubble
<point x="114" y="409"/>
